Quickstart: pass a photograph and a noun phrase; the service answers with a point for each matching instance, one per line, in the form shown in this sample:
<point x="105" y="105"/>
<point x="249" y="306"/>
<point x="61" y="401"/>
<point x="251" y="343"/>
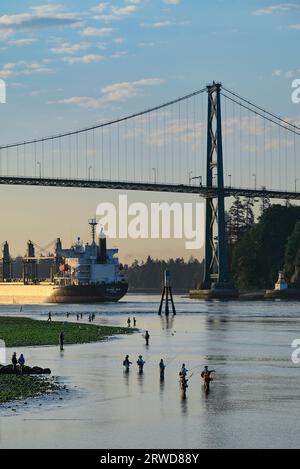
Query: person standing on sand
<point x="61" y="341"/>
<point x="128" y="322"/>
<point x="50" y="316"/>
<point x="21" y="361"/>
<point x="14" y="361"/>
<point x="134" y="322"/>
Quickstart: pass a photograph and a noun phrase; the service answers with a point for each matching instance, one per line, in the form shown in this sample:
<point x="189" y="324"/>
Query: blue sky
<point x="68" y="64"/>
<point x="53" y="55"/>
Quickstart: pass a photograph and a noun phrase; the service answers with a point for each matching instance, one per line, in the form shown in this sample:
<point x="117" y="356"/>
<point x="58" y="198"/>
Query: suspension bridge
<point x="212" y="142"/>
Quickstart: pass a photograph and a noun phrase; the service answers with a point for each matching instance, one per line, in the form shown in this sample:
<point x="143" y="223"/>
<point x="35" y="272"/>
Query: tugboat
<point x="89" y="273"/>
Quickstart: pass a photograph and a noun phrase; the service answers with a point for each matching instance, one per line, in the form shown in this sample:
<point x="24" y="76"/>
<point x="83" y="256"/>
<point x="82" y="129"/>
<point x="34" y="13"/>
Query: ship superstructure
<point x="89" y="264"/>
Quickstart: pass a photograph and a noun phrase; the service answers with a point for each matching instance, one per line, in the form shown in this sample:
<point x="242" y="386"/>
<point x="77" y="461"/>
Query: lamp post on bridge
<point x="229" y="177"/>
<point x="255" y="180"/>
<point x="155" y="175"/>
<point x="38" y="163"/>
<point x="90" y="168"/>
<point x="190" y="177"/>
<point x="197" y="177"/>
<point x="296" y="180"/>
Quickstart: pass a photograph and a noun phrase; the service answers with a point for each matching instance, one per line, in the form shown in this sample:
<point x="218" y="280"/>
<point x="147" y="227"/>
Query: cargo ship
<point x="83" y="273"/>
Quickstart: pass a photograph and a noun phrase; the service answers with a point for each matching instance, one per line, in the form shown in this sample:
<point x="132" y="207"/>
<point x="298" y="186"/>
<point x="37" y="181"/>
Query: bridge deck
<point x="149" y="187"/>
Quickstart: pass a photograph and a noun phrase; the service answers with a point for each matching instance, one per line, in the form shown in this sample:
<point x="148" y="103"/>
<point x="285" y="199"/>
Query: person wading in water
<point x="162" y="367"/>
<point x="147" y="337"/>
<point x="140" y="364"/>
<point x="127" y="363"/>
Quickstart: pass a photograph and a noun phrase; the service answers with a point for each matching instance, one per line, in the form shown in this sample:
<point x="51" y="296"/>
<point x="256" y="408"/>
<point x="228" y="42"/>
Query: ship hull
<point x="102" y="293"/>
<point x="18" y="293"/>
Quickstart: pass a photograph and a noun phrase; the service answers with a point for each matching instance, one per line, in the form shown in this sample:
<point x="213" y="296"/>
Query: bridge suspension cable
<point x="104" y="124"/>
<point x="165" y="144"/>
<point x="262" y="112"/>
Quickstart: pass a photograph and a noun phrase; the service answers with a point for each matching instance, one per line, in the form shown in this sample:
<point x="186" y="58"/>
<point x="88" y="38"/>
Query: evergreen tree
<point x="260" y="253"/>
<point x="248" y="204"/>
<point x="236" y="221"/>
<point x="292" y="255"/>
<point x="265" y="203"/>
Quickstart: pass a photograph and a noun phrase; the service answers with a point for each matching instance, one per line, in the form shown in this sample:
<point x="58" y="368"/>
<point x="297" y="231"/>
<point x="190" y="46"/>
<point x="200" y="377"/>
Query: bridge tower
<point x="216" y="282"/>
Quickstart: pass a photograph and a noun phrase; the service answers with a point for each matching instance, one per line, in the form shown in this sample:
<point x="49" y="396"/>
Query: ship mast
<point x="93" y="223"/>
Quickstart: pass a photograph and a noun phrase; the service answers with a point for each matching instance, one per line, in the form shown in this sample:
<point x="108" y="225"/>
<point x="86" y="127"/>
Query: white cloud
<point x="279" y="8"/>
<point x="85" y="59"/>
<point x="101" y="45"/>
<point x="294" y="26"/>
<point x="23" y="68"/>
<point x="172" y="2"/>
<point x="146" y="44"/>
<point x="285" y="74"/>
<point x="119" y="54"/>
<point x="38" y="17"/>
<point x="68" y="48"/>
<point x="22" y="42"/>
<point x="30" y="69"/>
<point x="100" y="8"/>
<point x="89" y="31"/>
<point x="116" y="13"/>
<point x="7" y="70"/>
<point x="276" y="73"/>
<point x="113" y="93"/>
<point x="164" y="24"/>
<point x="119" y="40"/>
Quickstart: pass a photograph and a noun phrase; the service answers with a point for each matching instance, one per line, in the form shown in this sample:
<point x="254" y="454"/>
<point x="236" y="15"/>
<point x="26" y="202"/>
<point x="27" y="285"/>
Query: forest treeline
<point x="259" y="249"/>
<point x="149" y="274"/>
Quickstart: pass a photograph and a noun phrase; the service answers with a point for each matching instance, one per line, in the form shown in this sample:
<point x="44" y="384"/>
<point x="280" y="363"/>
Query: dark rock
<point x="27" y="370"/>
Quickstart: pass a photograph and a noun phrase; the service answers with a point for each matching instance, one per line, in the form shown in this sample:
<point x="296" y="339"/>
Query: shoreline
<point x="26" y="332"/>
<point x="22" y="387"/>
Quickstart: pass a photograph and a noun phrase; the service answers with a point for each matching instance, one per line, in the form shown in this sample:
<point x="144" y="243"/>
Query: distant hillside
<point x="148" y="276"/>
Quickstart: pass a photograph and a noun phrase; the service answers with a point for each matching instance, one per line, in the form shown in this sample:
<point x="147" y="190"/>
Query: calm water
<point x="254" y="399"/>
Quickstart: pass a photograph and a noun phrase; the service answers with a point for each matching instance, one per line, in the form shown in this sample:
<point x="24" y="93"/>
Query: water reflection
<point x="184" y="401"/>
<point x="126" y="378"/>
<point x="167" y="322"/>
<point x="140" y="381"/>
<point x="161" y="384"/>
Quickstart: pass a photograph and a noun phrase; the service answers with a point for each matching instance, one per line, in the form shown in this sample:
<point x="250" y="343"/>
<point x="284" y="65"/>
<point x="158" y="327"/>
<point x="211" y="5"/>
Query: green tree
<point x="265" y="203"/>
<point x="248" y="205"/>
<point x="236" y="221"/>
<point x="260" y="253"/>
<point x="292" y="255"/>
